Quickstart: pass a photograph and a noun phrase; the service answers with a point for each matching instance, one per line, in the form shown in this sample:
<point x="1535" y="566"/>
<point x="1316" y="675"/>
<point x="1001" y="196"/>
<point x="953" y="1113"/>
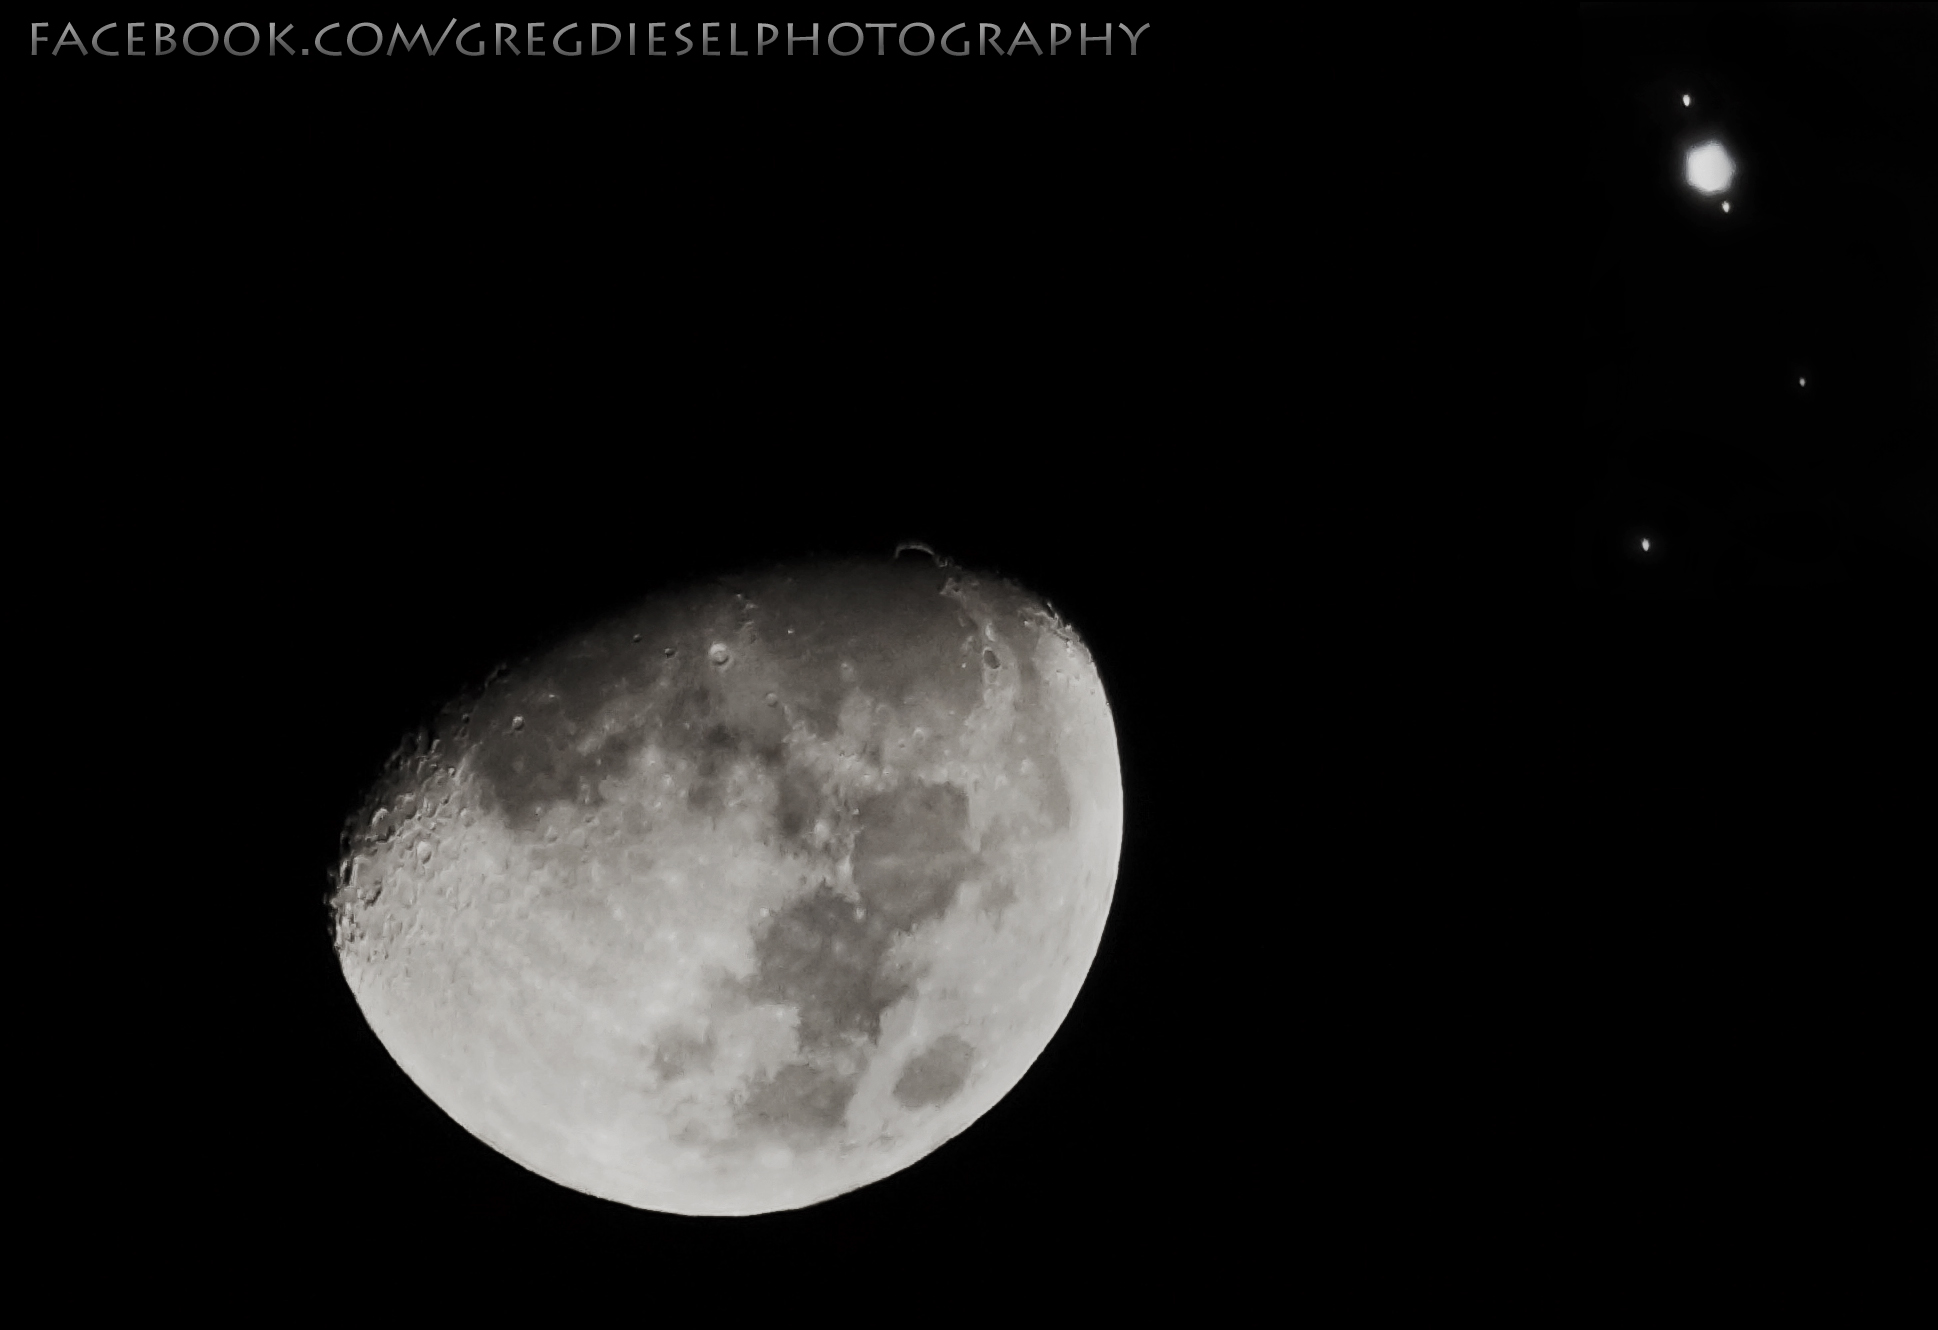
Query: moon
<point x="749" y="896"/>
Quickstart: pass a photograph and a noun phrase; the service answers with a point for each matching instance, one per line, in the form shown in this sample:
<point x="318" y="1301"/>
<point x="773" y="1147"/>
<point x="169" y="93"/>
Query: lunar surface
<point x="751" y="896"/>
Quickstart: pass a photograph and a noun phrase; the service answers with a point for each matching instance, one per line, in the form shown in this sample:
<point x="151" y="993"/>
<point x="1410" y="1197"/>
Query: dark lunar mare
<point x="828" y="958"/>
<point x="885" y="629"/>
<point x="935" y="1074"/>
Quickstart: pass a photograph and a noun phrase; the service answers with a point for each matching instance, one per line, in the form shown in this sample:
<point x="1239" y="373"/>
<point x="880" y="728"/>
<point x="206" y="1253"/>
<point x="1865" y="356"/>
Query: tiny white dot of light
<point x="1725" y="207"/>
<point x="1685" y="99"/>
<point x="1799" y="383"/>
<point x="1645" y="543"/>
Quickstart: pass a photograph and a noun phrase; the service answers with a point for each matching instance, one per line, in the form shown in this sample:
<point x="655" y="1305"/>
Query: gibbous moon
<point x="753" y="895"/>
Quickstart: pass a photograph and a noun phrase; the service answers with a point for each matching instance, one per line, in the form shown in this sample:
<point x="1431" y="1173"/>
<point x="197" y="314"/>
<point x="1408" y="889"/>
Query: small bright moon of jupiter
<point x="752" y="895"/>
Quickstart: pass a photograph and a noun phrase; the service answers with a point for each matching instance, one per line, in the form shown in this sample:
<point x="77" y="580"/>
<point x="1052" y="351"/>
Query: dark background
<point x="1697" y="325"/>
<point x="1736" y="723"/>
<point x="342" y="385"/>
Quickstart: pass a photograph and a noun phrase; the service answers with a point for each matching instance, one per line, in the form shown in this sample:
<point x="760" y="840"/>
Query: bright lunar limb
<point x="754" y="895"/>
<point x="1709" y="168"/>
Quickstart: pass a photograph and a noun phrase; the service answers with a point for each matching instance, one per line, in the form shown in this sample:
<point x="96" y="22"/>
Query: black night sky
<point x="345" y="383"/>
<point x="1758" y="390"/>
<point x="1736" y="716"/>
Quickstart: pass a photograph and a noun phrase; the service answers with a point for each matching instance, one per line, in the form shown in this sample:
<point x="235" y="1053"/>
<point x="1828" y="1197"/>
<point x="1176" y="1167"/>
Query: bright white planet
<point x="1685" y="99"/>
<point x="1725" y="205"/>
<point x="1709" y="168"/>
<point x="1645" y="544"/>
<point x="753" y="895"/>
